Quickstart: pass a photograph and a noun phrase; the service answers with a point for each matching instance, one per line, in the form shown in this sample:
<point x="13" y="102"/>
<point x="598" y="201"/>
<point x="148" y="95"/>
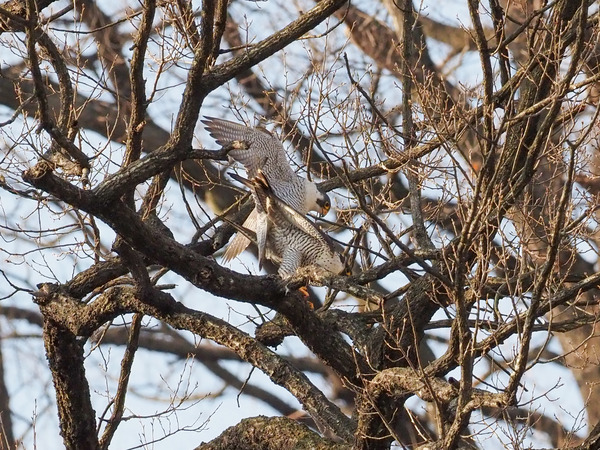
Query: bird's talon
<point x="304" y="291"/>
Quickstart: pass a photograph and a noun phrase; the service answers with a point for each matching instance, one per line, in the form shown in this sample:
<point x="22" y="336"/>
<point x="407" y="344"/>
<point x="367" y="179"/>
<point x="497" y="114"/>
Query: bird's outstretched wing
<point x="264" y="151"/>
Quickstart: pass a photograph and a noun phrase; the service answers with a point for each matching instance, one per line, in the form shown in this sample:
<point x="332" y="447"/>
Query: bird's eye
<point x="325" y="207"/>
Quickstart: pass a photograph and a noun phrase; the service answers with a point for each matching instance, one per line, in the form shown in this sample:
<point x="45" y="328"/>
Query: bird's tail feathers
<point x="250" y="234"/>
<point x="246" y="234"/>
<point x="261" y="180"/>
<point x="239" y="242"/>
<point x="241" y="179"/>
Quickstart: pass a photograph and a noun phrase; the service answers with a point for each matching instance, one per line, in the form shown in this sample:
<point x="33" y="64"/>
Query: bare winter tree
<point x="460" y="148"/>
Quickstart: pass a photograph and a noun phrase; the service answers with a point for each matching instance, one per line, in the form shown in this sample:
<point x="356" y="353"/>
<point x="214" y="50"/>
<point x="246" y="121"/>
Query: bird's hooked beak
<point x="325" y="204"/>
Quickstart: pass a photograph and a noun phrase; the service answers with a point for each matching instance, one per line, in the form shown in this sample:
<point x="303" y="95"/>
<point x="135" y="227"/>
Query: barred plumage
<point x="292" y="239"/>
<point x="265" y="154"/>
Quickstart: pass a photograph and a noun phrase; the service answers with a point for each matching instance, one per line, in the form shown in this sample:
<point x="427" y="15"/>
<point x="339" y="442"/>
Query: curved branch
<point x="77" y="319"/>
<point x="207" y="274"/>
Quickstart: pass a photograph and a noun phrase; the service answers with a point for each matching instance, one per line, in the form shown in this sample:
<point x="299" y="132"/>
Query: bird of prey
<point x="292" y="239"/>
<point x="264" y="152"/>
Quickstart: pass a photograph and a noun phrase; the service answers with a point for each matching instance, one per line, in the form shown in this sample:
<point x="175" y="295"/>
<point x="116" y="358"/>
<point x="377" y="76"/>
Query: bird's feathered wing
<point x="261" y="215"/>
<point x="300" y="221"/>
<point x="291" y="260"/>
<point x="291" y="236"/>
<point x="265" y="152"/>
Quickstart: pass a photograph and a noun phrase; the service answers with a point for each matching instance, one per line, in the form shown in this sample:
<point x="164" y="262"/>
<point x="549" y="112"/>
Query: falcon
<point x="292" y="239"/>
<point x="264" y="153"/>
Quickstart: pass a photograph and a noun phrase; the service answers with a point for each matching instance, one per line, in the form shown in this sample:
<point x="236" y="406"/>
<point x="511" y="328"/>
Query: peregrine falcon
<point x="291" y="239"/>
<point x="265" y="153"/>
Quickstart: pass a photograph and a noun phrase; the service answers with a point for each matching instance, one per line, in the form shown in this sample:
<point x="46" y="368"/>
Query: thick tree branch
<point x="269" y="433"/>
<point x="75" y="318"/>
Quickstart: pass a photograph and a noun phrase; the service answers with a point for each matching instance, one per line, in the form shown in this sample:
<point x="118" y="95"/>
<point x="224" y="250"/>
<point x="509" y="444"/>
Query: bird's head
<point x="323" y="203"/>
<point x="315" y="199"/>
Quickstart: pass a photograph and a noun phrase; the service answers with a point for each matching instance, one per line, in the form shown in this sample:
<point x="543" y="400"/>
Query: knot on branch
<point x="204" y="274"/>
<point x="46" y="293"/>
<point x="273" y="332"/>
<point x="37" y="172"/>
